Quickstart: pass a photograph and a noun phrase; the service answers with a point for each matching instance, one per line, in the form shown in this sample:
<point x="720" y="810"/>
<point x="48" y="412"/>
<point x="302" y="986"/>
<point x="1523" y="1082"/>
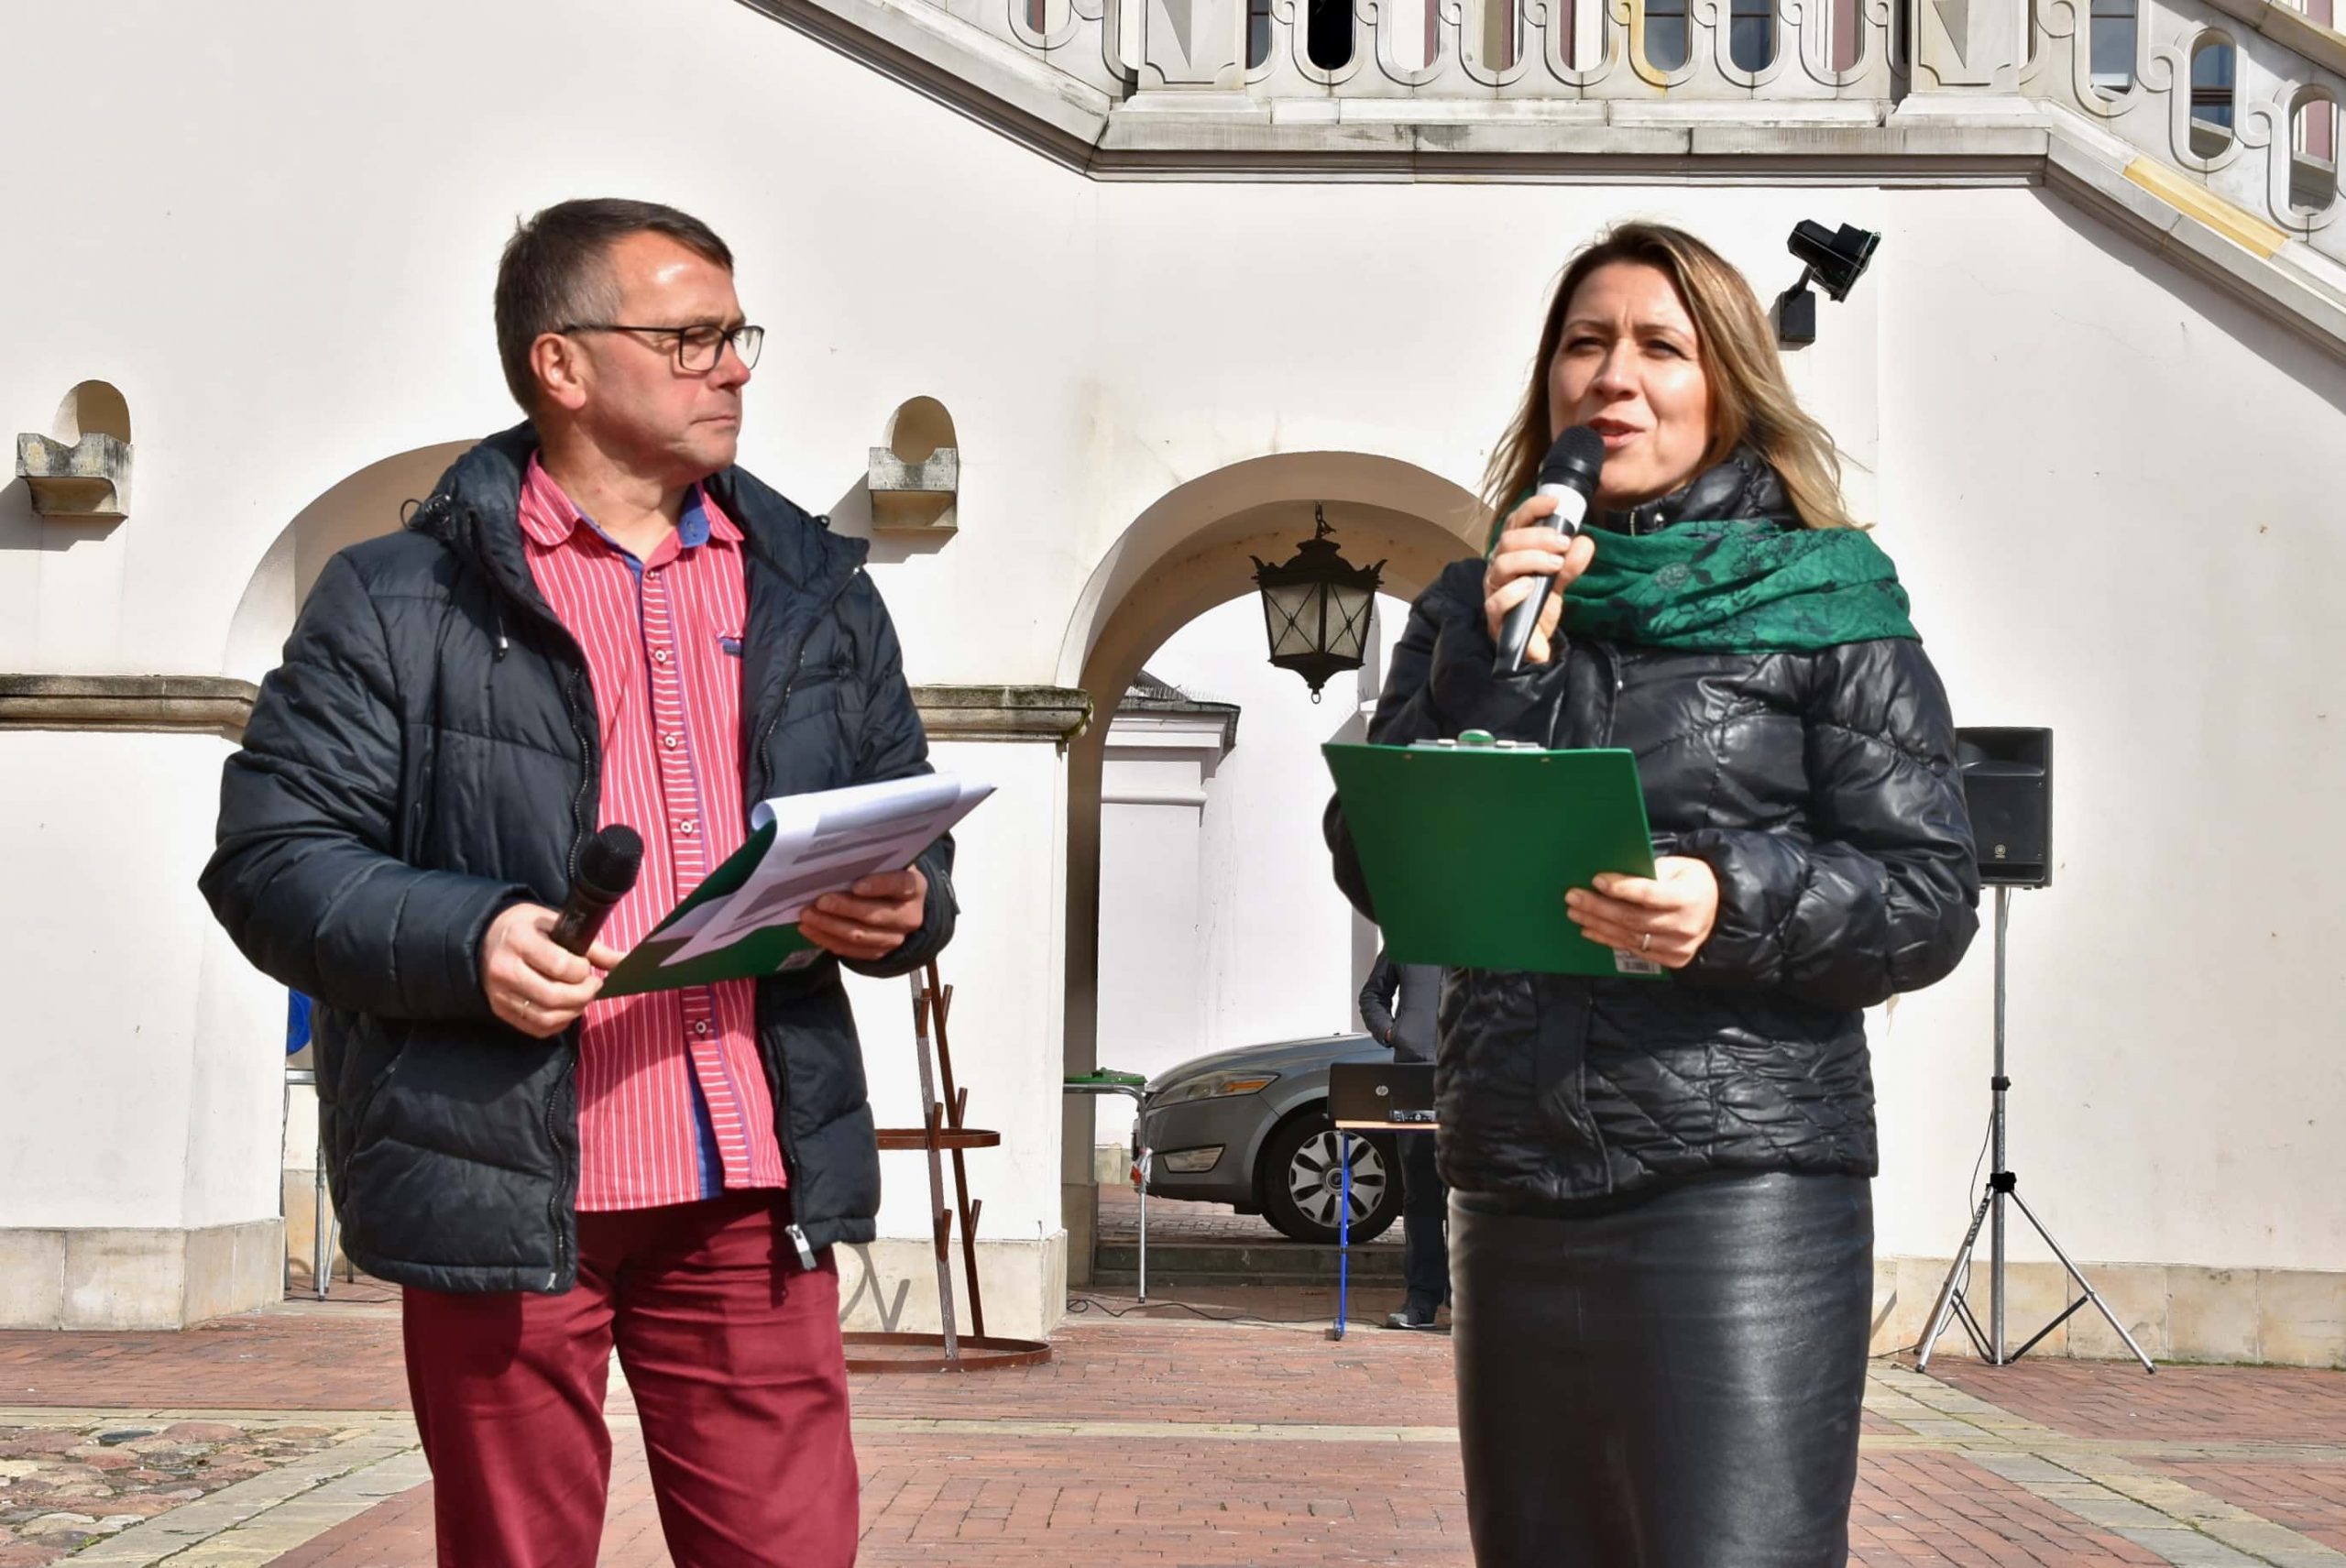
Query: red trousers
<point x="733" y="1352"/>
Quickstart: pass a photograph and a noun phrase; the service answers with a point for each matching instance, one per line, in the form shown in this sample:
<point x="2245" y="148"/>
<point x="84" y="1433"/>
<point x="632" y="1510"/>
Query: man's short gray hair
<point x="556" y="271"/>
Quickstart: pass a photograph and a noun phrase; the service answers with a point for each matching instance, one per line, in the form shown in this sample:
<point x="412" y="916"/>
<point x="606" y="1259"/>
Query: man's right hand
<point x="536" y="987"/>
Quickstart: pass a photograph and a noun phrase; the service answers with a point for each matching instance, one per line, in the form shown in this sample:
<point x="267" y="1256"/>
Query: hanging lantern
<point x="1317" y="607"/>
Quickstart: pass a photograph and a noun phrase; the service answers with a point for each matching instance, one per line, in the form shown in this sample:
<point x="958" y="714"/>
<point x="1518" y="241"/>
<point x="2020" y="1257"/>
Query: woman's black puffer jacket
<point x="1821" y="786"/>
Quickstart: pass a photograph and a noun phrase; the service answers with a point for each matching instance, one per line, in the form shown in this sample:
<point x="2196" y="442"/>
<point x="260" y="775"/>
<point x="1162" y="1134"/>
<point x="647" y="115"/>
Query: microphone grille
<point x="1578" y="455"/>
<point x="608" y="864"/>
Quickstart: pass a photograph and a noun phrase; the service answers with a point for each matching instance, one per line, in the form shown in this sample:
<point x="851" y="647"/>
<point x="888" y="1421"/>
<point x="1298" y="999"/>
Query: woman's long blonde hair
<point x="1751" y="403"/>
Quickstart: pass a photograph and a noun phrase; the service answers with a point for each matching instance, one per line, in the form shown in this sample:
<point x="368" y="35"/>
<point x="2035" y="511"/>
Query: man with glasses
<point x="595" y="619"/>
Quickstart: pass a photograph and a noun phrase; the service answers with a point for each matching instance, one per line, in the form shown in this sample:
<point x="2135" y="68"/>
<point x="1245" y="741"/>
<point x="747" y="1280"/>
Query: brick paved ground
<point x="326" y="1357"/>
<point x="1161" y="1443"/>
<point x="1930" y="1508"/>
<point x="2180" y="1404"/>
<point x="2309" y="1498"/>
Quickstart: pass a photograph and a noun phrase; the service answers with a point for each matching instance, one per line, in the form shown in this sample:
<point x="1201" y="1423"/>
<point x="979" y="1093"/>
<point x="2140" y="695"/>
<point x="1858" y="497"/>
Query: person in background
<point x="1398" y="1005"/>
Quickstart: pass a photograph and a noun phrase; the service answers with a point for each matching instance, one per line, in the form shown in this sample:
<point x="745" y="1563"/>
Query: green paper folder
<point x="1469" y="850"/>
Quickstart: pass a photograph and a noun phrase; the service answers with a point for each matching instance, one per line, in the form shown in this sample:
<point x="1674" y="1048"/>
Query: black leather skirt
<point x="1670" y="1379"/>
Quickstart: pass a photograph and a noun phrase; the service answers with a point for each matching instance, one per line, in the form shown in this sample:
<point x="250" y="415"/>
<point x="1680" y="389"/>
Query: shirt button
<point x="701" y="1027"/>
<point x="685" y="827"/>
<point x="668" y="741"/>
<point x="659" y="655"/>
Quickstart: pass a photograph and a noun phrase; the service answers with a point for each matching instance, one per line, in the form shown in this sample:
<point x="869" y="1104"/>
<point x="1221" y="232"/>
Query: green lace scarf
<point x="1738" y="586"/>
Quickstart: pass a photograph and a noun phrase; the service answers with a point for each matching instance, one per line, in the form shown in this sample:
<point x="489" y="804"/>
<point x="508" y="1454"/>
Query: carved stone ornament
<point x="88" y="481"/>
<point x="915" y="497"/>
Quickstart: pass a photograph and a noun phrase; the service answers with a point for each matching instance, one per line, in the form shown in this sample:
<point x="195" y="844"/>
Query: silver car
<point x="1249" y="1127"/>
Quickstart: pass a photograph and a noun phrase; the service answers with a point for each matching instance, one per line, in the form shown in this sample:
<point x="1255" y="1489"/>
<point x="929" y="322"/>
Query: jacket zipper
<point x="1613" y="698"/>
<point x="780" y="1062"/>
<point x="782" y="704"/>
<point x="553" y="1137"/>
<point x="590" y="766"/>
<point x="805" y="1253"/>
<point x="587" y="774"/>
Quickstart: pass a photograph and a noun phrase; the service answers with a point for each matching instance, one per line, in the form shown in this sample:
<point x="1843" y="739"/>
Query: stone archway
<point x="1192" y="549"/>
<point x="360" y="505"/>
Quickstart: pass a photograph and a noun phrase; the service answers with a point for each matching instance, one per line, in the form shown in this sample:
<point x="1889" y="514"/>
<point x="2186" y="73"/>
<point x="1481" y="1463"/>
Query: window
<point x="1751" y="33"/>
<point x="1501" y="42"/>
<point x="1327" y="34"/>
<point x="2313" y="153"/>
<point x="1848" y="34"/>
<point x="2212" y="95"/>
<point x="2110" y="33"/>
<point x="1665" y="34"/>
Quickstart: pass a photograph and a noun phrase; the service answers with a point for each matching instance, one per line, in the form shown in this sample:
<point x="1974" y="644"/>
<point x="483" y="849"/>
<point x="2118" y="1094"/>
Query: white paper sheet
<point x="826" y="843"/>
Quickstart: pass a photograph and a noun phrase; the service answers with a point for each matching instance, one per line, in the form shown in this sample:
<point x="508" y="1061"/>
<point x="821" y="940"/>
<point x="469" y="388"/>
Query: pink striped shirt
<point x="673" y="1104"/>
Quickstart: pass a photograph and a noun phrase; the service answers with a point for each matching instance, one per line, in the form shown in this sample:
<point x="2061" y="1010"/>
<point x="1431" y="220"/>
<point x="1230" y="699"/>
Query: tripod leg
<point x="1951" y="1290"/>
<point x="2085" y="1285"/>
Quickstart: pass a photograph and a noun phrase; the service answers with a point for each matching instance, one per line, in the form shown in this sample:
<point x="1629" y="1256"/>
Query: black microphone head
<point x="1576" y="459"/>
<point x="608" y="865"/>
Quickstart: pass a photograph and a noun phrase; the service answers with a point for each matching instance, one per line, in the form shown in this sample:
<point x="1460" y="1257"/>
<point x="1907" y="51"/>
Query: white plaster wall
<point x="1151" y="963"/>
<point x="2117" y="501"/>
<point x="1004" y="970"/>
<point x="2110" y="490"/>
<point x="138" y="1050"/>
<point x="1275" y="956"/>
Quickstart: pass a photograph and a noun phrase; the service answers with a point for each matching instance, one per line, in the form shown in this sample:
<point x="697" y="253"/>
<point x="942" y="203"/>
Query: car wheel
<point x="1301" y="1180"/>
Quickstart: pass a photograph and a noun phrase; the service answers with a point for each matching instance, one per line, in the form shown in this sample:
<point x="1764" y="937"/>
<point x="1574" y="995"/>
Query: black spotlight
<point x="1833" y="260"/>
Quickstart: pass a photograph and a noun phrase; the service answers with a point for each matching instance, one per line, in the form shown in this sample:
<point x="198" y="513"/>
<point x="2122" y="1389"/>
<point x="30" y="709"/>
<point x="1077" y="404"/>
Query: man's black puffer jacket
<point x="426" y="756"/>
<point x="1822" y="788"/>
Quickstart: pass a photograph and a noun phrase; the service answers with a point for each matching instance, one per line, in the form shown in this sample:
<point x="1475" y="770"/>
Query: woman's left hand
<point x="1666" y="919"/>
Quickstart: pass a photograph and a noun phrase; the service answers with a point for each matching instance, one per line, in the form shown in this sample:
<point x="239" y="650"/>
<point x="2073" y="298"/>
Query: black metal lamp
<point x="1317" y="607"/>
<point x="1835" y="259"/>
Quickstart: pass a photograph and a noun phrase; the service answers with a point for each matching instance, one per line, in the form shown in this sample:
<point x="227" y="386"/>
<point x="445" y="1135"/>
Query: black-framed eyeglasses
<point x="697" y="349"/>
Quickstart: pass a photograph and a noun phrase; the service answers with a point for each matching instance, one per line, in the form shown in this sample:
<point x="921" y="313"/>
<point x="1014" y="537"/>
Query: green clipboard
<point x="1468" y="850"/>
<point x="759" y="953"/>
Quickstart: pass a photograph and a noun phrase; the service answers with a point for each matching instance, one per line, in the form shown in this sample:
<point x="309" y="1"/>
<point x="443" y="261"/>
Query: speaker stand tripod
<point x="1953" y="1300"/>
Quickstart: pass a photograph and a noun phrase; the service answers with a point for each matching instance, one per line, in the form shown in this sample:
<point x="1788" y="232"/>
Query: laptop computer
<point x="1381" y="1097"/>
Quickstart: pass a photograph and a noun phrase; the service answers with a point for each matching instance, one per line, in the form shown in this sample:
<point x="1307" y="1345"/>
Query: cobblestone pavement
<point x="1162" y="1444"/>
<point x="65" y="1486"/>
<point x="1174" y="1219"/>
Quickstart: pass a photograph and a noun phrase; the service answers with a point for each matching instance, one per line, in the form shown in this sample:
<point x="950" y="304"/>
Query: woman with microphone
<point x="1660" y="1225"/>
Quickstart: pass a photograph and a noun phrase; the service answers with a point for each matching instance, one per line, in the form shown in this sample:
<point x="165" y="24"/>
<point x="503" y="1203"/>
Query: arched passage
<point x="1192" y="549"/>
<point x="362" y="506"/>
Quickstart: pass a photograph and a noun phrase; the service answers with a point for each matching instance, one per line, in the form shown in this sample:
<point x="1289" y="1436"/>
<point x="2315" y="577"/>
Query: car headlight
<point x="1215" y="1085"/>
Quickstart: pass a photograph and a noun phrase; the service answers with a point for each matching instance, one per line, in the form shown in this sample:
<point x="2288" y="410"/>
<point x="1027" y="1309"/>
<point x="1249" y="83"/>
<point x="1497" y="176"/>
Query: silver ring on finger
<point x="1644" y="943"/>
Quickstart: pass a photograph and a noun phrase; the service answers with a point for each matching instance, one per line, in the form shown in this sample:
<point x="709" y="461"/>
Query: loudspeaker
<point x="2008" y="788"/>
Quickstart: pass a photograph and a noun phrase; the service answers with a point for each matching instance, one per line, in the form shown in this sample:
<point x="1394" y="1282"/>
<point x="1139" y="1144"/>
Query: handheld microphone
<point x="606" y="869"/>
<point x="1568" y="473"/>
